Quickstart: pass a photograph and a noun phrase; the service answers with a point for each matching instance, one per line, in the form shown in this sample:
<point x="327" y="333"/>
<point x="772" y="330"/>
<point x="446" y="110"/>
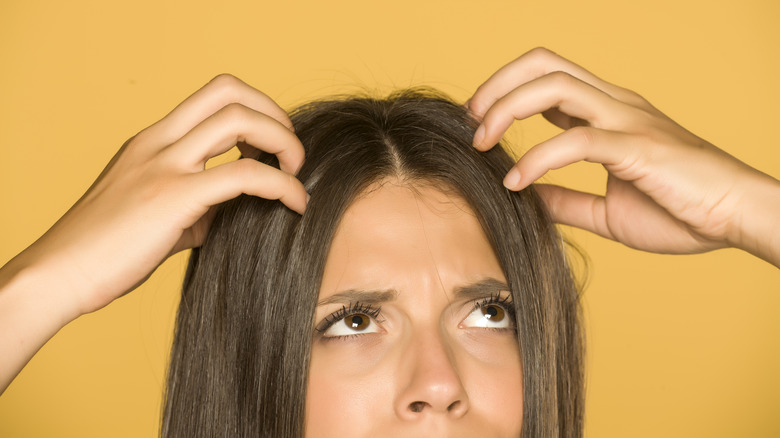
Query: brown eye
<point x="493" y="313"/>
<point x="362" y="321"/>
<point x="357" y="322"/>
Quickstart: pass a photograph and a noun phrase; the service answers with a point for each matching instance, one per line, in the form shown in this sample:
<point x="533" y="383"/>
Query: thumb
<point x="575" y="208"/>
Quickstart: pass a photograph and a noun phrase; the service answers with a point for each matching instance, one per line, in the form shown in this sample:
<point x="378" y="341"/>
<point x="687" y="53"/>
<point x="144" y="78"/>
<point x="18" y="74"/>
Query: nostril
<point x="417" y="406"/>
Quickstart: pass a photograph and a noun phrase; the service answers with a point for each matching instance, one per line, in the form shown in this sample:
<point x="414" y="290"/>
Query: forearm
<point x="34" y="305"/>
<point x="757" y="224"/>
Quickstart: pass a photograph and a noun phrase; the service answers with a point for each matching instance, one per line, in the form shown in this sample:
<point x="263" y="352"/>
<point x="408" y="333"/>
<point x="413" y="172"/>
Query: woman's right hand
<point x="153" y="199"/>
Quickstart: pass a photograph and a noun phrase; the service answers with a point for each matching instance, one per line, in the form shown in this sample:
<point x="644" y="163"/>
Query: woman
<point x="154" y="198"/>
<point x="414" y="280"/>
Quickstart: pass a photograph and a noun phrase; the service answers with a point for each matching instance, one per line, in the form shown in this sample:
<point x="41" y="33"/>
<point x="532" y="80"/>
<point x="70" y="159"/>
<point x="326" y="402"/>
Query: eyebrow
<point x="373" y="297"/>
<point x="480" y="289"/>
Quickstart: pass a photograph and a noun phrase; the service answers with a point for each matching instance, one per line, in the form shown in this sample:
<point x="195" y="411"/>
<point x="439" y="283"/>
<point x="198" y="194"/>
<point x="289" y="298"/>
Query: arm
<point x="154" y="198"/>
<point x="756" y="222"/>
<point x="668" y="190"/>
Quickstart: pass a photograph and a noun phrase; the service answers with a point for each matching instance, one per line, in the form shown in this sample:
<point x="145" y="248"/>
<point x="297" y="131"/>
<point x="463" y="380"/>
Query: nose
<point x="430" y="382"/>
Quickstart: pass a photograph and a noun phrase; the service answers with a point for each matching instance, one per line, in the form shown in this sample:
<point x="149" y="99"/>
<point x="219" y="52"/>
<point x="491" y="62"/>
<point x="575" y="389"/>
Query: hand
<point x="155" y="198"/>
<point x="667" y="191"/>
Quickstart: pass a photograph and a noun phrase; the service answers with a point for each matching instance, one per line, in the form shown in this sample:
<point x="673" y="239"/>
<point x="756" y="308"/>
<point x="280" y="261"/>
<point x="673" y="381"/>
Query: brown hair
<point x="240" y="355"/>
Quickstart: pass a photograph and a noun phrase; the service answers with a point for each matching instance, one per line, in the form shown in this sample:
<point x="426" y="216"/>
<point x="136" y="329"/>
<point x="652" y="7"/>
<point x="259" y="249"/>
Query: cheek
<point x="494" y="379"/>
<point x="498" y="392"/>
<point x="348" y="392"/>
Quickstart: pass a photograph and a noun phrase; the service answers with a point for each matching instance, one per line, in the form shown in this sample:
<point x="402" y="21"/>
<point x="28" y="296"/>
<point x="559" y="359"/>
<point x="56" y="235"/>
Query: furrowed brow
<point x="374" y="297"/>
<point x="480" y="289"/>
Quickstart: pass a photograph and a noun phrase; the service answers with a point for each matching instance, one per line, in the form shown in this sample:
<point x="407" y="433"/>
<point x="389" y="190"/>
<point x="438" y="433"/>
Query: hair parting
<point x="241" y="351"/>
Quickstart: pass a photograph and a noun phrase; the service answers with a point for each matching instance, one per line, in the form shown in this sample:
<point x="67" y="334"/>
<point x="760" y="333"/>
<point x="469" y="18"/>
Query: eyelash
<point x="353" y="309"/>
<point x="375" y="312"/>
<point x="506" y="303"/>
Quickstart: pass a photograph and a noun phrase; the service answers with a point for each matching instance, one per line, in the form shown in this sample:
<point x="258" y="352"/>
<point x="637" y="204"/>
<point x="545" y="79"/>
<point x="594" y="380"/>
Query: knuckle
<point x="143" y="137"/>
<point x="133" y="143"/>
<point x="583" y="135"/>
<point x="235" y="114"/>
<point x="481" y="102"/>
<point x="540" y="52"/>
<point x="644" y="119"/>
<point x="225" y="81"/>
<point x="481" y="89"/>
<point x="639" y="121"/>
<point x="245" y="169"/>
<point x="562" y="79"/>
<point x="139" y="145"/>
<point x="541" y="56"/>
<point x="234" y="109"/>
<point x="496" y="115"/>
<point x="634" y="95"/>
<point x="633" y="98"/>
<point x="225" y="87"/>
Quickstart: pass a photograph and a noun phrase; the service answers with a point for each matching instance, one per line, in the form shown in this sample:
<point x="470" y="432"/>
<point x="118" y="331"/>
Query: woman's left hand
<point x="667" y="190"/>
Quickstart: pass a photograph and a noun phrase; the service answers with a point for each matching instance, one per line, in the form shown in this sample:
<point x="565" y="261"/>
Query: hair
<point x="241" y="351"/>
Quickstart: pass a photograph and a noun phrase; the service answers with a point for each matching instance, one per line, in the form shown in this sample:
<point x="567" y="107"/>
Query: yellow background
<point x="678" y="346"/>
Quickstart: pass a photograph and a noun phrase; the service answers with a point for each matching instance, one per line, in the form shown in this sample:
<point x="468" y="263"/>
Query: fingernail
<point x="512" y="179"/>
<point x="479" y="136"/>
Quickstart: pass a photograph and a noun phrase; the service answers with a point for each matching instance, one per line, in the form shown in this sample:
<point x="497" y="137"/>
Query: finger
<point x="556" y="90"/>
<point x="532" y="65"/>
<point x="613" y="149"/>
<point x="195" y="235"/>
<point x="561" y="120"/>
<point x="575" y="208"/>
<point x="234" y="124"/>
<point x="218" y="93"/>
<point x="247" y="150"/>
<point x="226" y="181"/>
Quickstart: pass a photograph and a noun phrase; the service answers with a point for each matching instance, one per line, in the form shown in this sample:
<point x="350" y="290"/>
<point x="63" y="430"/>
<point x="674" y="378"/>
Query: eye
<point x="354" y="324"/>
<point x="489" y="315"/>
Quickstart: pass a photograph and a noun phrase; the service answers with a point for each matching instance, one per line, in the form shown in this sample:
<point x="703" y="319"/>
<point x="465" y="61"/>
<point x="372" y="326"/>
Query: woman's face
<point x="414" y="332"/>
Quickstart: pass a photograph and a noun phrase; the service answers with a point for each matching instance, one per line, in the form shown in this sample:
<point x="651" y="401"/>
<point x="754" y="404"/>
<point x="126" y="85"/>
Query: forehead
<point x="400" y="237"/>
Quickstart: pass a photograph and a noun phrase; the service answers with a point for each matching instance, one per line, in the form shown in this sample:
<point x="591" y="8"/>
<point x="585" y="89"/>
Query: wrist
<point x="39" y="283"/>
<point x="32" y="310"/>
<point x="756" y="228"/>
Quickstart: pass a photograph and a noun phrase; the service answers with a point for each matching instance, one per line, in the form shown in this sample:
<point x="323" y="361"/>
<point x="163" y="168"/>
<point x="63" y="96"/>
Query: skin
<point x="422" y="368"/>
<point x="655" y="200"/>
<point x="155" y="197"/>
